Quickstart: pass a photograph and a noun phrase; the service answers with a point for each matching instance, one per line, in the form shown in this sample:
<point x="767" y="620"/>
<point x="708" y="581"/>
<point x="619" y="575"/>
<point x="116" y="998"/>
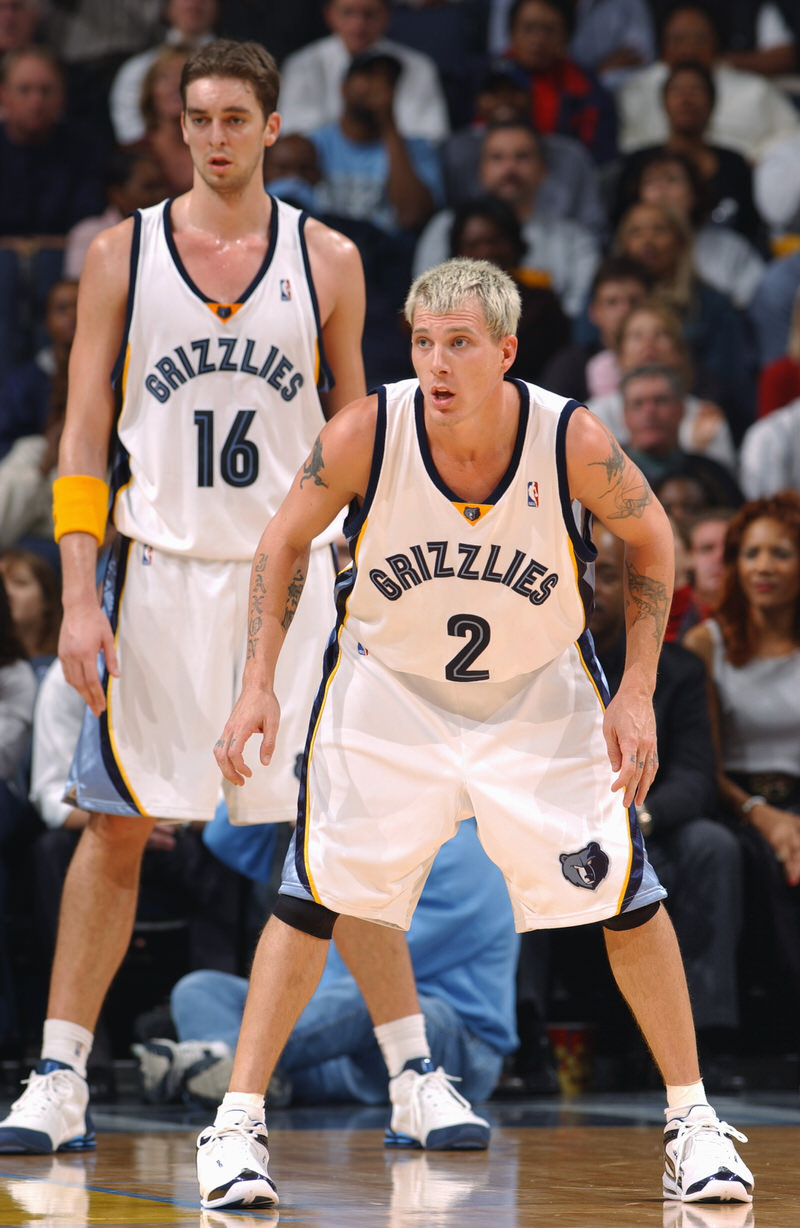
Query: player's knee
<point x="123" y="831"/>
<point x="632" y="920"/>
<point x="305" y="915"/>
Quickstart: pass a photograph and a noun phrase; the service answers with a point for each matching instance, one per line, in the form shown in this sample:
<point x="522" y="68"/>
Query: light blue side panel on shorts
<point x="95" y="779"/>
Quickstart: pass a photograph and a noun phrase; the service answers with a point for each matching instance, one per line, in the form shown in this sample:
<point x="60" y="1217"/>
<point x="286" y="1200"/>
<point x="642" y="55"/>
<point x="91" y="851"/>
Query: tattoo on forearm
<point x="629" y="490"/>
<point x="257" y="594"/>
<point x="646" y="598"/>
<point x="314" y="464"/>
<point x="293" y="598"/>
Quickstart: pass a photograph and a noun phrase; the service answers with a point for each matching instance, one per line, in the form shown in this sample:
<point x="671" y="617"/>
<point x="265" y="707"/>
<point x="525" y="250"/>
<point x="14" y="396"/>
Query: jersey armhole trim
<point x="584" y="549"/>
<point x="119" y="365"/>
<point x="325" y="379"/>
<point x="356" y="518"/>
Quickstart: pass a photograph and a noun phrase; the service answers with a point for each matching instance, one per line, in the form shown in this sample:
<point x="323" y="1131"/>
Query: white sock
<point x="681" y="1097"/>
<point x="63" y="1041"/>
<point x="401" y="1041"/>
<point x="243" y="1102"/>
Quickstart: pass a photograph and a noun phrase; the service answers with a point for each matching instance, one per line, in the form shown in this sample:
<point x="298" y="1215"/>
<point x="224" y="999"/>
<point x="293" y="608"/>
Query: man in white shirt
<point x="190" y="24"/>
<point x="311" y="79"/>
<point x="749" y="111"/>
<point x="770" y="455"/>
<point x="512" y="167"/>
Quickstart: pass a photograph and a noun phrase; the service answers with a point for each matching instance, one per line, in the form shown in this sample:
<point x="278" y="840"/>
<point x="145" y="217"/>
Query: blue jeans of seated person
<point x="332" y="1055"/>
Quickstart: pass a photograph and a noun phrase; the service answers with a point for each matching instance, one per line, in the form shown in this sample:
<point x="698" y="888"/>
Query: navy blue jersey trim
<point x="136" y="241"/>
<point x="326" y="379"/>
<point x="513" y="465"/>
<point x="357" y="515"/>
<point x="585" y="645"/>
<point x="586" y="649"/>
<point x="344" y="586"/>
<point x="179" y="265"/>
<point x="113" y="584"/>
<point x="582" y="542"/>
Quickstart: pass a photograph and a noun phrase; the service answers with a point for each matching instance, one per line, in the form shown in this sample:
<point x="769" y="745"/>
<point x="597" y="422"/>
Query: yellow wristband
<point x="80" y="505"/>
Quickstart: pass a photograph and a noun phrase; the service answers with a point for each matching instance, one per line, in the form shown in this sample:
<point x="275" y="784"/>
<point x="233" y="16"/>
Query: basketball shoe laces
<point x="43" y="1092"/>
<point x="244" y="1133"/>
<point x="436" y="1090"/>
<point x="716" y="1141"/>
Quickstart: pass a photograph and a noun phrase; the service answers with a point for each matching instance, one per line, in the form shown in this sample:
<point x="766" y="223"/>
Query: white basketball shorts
<point x="180" y="626"/>
<point x="394" y="763"/>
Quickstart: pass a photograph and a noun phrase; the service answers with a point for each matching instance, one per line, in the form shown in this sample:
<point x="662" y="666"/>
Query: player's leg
<point x="98" y="908"/>
<point x="232" y="1154"/>
<point x="427" y="1111"/>
<point x="701" y="1161"/>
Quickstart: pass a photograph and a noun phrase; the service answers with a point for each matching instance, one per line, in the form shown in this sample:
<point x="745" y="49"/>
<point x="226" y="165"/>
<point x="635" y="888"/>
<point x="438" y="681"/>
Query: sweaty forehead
<point x="467" y="315"/>
<point x="220" y="93"/>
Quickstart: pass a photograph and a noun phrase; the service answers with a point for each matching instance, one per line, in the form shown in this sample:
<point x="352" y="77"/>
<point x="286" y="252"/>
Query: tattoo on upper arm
<point x="647" y="598"/>
<point x="293" y="597"/>
<point x="315" y="463"/>
<point x="629" y="490"/>
<point x="257" y="594"/>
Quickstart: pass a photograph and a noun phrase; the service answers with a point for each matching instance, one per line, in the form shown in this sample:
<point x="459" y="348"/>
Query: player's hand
<point x="256" y="711"/>
<point x="629" y="728"/>
<point x="86" y="631"/>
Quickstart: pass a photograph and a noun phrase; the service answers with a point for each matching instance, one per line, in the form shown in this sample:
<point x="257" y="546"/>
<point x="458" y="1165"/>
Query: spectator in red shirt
<point x="564" y="97"/>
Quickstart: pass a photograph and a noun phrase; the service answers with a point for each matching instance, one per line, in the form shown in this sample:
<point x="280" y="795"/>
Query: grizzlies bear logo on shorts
<point x="586" y="868"/>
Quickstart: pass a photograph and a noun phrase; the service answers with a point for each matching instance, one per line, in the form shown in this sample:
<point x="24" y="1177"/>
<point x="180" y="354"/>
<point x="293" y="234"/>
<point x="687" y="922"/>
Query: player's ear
<point x="508" y="347"/>
<point x="272" y="129"/>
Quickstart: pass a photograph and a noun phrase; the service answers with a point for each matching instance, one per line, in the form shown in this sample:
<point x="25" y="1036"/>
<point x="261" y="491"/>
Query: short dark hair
<point x="699" y="70"/>
<point x="651" y="370"/>
<point x="511" y="123"/>
<point x="369" y="61"/>
<point x="494" y="210"/>
<point x="36" y="51"/>
<point x="564" y="8"/>
<point x="620" y="268"/>
<point x="246" y="61"/>
<point x="712" y="16"/>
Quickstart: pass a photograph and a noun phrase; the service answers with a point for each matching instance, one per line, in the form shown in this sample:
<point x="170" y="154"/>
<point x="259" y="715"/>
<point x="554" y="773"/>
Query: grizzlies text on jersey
<point x="218" y="406"/>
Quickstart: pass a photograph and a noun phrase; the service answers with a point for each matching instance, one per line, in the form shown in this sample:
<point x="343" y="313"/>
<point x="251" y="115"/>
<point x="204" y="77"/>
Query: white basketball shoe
<point x="428" y="1112"/>
<point x="232" y="1161"/>
<point x="701" y="1163"/>
<point x="50" y="1115"/>
<point x="176" y="1070"/>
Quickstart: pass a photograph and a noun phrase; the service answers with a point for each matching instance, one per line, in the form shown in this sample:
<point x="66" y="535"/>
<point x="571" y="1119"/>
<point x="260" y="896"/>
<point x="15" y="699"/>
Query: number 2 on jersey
<point x="479" y="632"/>
<point x="238" y="460"/>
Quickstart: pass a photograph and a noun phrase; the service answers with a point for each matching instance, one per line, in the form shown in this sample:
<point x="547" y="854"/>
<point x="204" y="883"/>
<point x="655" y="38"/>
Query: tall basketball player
<point x="461" y="681"/>
<point x="209" y="329"/>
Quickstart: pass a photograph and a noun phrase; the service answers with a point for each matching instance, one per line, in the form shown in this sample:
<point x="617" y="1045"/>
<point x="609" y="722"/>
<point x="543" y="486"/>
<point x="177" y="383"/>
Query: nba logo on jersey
<point x="362" y="651"/>
<point x="286" y="290"/>
<point x="533" y="494"/>
<point x="147" y="555"/>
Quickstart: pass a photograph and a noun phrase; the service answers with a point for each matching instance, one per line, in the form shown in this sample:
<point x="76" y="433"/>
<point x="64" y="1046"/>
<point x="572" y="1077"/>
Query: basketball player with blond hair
<point x="212" y="329"/>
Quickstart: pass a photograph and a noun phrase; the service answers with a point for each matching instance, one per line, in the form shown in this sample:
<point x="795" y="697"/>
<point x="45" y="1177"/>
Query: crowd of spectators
<point x="634" y="165"/>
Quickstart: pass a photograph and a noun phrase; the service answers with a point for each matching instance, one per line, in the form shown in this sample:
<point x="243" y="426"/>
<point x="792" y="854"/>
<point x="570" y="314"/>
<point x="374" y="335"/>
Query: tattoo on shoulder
<point x="648" y="599"/>
<point x="293" y="597"/>
<point x="627" y="487"/>
<point x="314" y="464"/>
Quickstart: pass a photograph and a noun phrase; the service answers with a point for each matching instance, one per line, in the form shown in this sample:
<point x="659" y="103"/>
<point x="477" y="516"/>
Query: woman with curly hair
<point x="751" y="649"/>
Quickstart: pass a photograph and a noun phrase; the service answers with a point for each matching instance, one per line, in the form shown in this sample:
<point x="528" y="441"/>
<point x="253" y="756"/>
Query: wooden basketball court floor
<point x="585" y="1162"/>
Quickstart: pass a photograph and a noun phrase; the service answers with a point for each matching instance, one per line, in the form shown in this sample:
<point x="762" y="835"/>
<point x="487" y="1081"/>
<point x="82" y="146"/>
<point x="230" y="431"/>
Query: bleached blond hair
<point x="446" y="288"/>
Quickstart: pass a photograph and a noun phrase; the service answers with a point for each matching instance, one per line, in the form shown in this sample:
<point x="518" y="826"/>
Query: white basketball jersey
<point x="218" y="403"/>
<point x="467" y="592"/>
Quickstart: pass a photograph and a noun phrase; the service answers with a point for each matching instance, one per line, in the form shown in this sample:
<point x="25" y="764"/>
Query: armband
<point x="80" y="505"/>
